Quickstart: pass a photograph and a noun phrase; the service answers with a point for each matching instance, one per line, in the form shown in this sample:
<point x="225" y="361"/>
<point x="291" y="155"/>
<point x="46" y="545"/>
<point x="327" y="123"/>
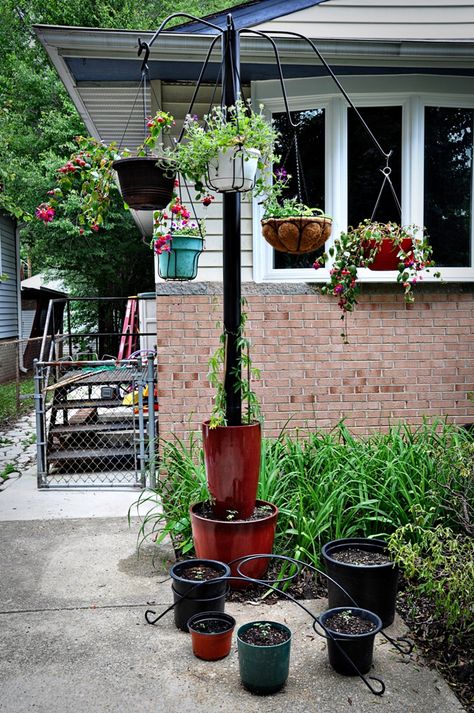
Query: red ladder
<point x="129" y="338"/>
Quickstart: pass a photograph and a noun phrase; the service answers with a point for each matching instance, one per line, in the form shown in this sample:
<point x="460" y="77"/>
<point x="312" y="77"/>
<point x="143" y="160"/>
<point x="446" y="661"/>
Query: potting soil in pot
<point x="348" y="623"/>
<point x="354" y="555"/>
<point x="199" y="573"/>
<point x="264" y="635"/>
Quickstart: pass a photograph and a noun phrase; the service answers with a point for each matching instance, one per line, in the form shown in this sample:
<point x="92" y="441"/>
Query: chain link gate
<point x="96" y="423"/>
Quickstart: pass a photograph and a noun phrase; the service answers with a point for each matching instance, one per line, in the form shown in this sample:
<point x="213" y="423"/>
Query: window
<point x="448" y="183"/>
<point x="427" y="123"/>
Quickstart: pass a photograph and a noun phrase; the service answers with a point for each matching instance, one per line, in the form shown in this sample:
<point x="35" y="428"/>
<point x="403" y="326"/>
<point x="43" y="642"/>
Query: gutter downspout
<point x="21" y="364"/>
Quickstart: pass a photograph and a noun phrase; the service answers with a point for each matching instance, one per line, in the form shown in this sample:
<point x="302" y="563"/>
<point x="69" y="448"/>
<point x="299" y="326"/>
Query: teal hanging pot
<point x="181" y="263"/>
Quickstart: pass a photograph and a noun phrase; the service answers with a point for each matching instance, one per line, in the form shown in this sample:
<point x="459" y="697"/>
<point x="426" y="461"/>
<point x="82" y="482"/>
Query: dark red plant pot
<point x="386" y="258"/>
<point x="143" y="184"/>
<point x="211" y="646"/>
<point x="228" y="540"/>
<point x="232" y="457"/>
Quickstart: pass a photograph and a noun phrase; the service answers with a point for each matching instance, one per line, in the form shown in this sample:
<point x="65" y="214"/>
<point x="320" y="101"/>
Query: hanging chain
<point x="386" y="172"/>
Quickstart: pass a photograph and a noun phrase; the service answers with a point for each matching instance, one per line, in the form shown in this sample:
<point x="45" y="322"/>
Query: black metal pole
<point x="231" y="276"/>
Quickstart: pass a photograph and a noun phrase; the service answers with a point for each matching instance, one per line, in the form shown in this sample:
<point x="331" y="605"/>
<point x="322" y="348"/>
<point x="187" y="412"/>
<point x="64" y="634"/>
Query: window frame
<point x="399" y="91"/>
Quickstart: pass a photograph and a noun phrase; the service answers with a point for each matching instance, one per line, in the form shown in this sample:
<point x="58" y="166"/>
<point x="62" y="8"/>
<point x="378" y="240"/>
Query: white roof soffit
<point x="64" y="43"/>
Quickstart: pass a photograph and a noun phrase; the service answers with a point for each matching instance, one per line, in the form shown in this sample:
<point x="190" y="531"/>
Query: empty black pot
<point x="351" y="654"/>
<point x="372" y="587"/>
<point x="186" y="608"/>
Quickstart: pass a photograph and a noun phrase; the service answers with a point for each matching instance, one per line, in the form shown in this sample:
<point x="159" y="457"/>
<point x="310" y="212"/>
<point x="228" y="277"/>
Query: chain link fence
<point x="96" y="422"/>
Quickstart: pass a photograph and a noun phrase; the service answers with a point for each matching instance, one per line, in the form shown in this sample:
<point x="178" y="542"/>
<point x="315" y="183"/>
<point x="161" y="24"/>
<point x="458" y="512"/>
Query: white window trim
<point x="413" y="104"/>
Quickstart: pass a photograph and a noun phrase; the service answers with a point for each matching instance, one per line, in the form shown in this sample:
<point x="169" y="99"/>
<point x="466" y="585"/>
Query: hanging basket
<point x="144" y="185"/>
<point x="296" y="235"/>
<point x="233" y="170"/>
<point x="181" y="263"/>
<point x="386" y="257"/>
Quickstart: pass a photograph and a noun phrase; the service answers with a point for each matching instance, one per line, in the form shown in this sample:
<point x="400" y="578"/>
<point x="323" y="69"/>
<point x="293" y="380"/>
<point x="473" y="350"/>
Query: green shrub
<point x="438" y="564"/>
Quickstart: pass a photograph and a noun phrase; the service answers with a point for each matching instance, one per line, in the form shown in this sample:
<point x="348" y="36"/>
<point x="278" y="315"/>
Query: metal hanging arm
<point x="334" y="77"/>
<point x="145" y="46"/>
<point x="280" y="70"/>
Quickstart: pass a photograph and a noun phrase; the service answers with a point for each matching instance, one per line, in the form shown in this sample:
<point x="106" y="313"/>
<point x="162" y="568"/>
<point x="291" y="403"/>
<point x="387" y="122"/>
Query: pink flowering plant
<point x="89" y="178"/>
<point x="173" y="221"/>
<point x="358" y="248"/>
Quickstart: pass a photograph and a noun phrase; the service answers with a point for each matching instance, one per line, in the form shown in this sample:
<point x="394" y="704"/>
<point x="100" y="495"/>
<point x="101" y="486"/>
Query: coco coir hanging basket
<point x="298" y="234"/>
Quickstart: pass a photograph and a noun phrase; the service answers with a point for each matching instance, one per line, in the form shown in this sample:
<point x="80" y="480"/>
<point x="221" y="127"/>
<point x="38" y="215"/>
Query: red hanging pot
<point x="232" y="458"/>
<point x="387" y="251"/>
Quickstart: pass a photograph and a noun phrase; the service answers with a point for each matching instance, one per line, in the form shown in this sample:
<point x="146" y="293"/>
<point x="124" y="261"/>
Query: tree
<point x="38" y="123"/>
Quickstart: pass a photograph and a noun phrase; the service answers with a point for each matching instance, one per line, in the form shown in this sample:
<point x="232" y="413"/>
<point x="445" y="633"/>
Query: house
<point x="36" y="293"/>
<point x="408" y="66"/>
<point x="9" y="297"/>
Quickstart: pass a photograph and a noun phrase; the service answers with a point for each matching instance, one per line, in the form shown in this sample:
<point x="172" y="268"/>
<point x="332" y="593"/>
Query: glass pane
<point x="448" y="184"/>
<point x="311" y="152"/>
<point x="365" y="162"/>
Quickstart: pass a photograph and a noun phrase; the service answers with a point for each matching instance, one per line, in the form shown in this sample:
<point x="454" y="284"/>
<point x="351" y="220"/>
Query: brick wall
<point x="401" y="363"/>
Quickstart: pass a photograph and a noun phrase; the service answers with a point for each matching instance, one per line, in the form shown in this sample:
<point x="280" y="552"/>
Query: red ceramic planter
<point x="386" y="258"/>
<point x="232" y="457"/>
<point x="226" y="540"/>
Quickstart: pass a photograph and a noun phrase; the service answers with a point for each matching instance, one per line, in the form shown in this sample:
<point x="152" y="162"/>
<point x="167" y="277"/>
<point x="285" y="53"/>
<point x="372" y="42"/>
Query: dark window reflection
<point x="365" y="162"/>
<point x="311" y="150"/>
<point x="448" y="184"/>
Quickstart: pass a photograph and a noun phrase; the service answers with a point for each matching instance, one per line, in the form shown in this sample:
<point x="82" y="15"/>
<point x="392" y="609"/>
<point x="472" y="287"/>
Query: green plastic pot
<point x="181" y="263"/>
<point x="263" y="669"/>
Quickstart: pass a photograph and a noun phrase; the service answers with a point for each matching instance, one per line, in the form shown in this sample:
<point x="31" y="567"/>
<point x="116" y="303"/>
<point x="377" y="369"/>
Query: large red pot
<point x="232" y="457"/>
<point x="227" y="540"/>
<point x="386" y="257"/>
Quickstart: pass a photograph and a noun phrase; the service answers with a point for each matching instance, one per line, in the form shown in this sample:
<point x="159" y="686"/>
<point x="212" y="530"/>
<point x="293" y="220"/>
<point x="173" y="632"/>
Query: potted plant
<point x="264" y="656"/>
<point x="350" y="635"/>
<point x="234" y="523"/>
<point x="178" y="242"/>
<point x="147" y="180"/>
<point x="288" y="225"/>
<point x="89" y="176"/>
<point x="211" y="635"/>
<point x="364" y="568"/>
<point x="232" y="453"/>
<point x="198" y="585"/>
<point x="226" y="151"/>
<point x="385" y="245"/>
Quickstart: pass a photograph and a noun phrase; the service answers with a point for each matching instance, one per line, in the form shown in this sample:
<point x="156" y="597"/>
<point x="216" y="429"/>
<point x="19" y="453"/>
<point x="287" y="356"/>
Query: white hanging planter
<point x="233" y="171"/>
<point x="144" y="221"/>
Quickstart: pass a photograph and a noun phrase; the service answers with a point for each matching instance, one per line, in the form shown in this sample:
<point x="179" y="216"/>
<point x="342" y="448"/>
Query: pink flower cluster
<point x="45" y="213"/>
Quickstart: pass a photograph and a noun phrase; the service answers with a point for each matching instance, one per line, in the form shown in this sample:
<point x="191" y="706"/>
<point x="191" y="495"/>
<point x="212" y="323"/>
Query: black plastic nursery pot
<point x="264" y="669"/>
<point x="192" y="596"/>
<point x="351" y="654"/>
<point x="372" y="587"/>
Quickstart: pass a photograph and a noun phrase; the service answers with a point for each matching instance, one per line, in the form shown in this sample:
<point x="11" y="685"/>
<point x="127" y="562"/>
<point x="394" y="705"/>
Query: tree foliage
<point x="38" y="123"/>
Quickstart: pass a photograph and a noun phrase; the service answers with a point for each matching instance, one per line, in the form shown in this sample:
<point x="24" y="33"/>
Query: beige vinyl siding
<point x="176" y="98"/>
<point x="375" y="20"/>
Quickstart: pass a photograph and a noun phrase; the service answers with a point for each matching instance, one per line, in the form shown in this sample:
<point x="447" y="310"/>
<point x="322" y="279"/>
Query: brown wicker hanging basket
<point x="297" y="235"/>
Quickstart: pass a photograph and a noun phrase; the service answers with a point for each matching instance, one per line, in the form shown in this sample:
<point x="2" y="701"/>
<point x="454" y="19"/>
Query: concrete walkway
<point x="74" y="638"/>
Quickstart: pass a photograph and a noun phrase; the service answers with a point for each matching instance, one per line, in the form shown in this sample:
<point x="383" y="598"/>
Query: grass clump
<point x="8" y="399"/>
<point x="328" y="485"/>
